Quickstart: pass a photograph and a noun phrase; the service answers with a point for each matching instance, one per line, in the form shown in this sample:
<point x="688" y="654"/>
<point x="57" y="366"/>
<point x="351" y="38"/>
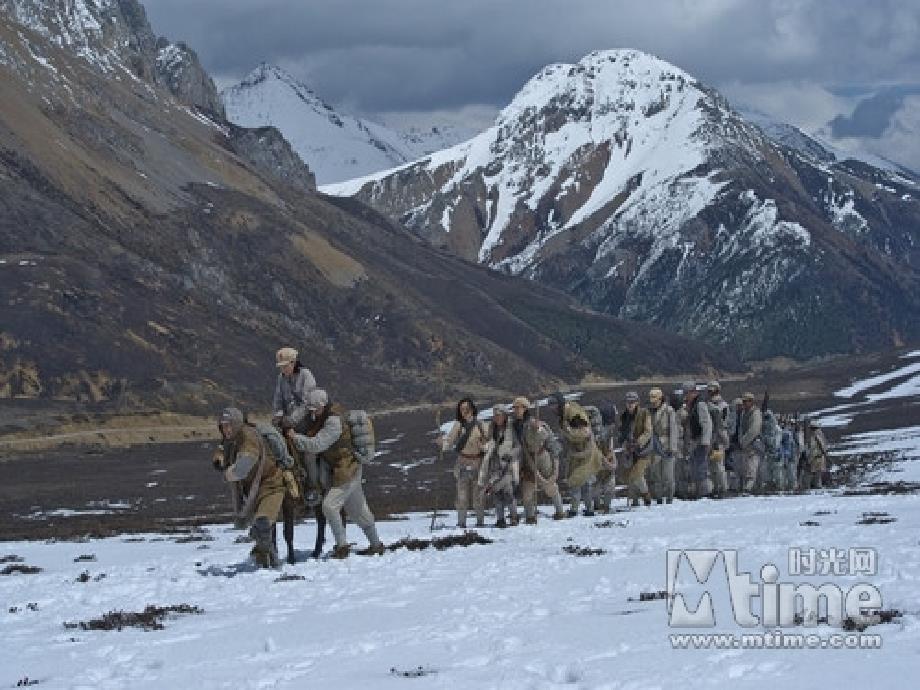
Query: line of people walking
<point x="693" y="444"/>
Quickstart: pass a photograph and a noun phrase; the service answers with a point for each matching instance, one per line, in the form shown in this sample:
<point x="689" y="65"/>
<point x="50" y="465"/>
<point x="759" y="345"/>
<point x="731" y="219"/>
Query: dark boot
<point x="377" y="549"/>
<point x="341" y="552"/>
<point x="264" y="551"/>
<point x="647" y="499"/>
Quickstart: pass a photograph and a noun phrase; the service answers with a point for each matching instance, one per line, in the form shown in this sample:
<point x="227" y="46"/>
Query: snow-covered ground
<point x="900" y="385"/>
<point x="520" y="612"/>
<point x="516" y="613"/>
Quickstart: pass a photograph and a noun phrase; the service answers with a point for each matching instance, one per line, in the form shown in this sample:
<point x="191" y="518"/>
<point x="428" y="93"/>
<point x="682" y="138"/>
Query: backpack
<point x="279" y="448"/>
<point x="362" y="435"/>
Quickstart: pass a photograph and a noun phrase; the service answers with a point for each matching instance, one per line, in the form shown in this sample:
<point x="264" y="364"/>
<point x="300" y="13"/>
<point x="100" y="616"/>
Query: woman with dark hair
<point x="294" y="382"/>
<point x="468" y="438"/>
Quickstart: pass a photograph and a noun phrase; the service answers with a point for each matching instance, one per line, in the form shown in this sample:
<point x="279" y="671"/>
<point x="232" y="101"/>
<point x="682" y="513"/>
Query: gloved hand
<point x="217" y="458"/>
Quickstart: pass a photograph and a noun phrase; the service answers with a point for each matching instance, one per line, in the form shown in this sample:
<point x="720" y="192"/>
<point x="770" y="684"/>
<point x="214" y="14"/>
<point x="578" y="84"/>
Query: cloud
<point x="873" y="116"/>
<point x="900" y="140"/>
<point x="805" y="104"/>
<point x="801" y="61"/>
<point x="420" y="54"/>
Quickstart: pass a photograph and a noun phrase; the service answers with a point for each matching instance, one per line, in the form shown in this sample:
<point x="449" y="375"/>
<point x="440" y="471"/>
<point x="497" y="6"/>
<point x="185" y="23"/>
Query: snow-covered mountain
<point x="818" y="145"/>
<point x="628" y="183"/>
<point x="139" y="230"/>
<point x="337" y="145"/>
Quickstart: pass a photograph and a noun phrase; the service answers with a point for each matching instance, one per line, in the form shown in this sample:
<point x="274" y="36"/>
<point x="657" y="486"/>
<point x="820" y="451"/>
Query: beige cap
<point x="748" y="397"/>
<point x="285" y="356"/>
<point x="521" y="401"/>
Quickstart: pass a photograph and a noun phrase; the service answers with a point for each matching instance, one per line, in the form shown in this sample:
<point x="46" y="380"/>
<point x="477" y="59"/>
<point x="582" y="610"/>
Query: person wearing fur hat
<point x="328" y="436"/>
<point x="256" y="480"/>
<point x="294" y="382"/>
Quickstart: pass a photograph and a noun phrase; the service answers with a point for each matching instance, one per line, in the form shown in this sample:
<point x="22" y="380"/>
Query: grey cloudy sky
<point x="805" y="61"/>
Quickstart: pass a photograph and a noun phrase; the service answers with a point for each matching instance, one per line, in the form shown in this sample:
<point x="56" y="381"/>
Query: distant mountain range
<point x="153" y="253"/>
<point x="337" y="146"/>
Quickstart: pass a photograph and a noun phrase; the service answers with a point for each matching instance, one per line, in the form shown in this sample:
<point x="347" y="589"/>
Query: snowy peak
<point x="620" y="176"/>
<point x="335" y="145"/>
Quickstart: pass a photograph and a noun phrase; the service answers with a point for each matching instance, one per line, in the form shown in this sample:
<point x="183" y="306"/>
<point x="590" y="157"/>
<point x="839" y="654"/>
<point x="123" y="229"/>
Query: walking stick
<point x="438" y="480"/>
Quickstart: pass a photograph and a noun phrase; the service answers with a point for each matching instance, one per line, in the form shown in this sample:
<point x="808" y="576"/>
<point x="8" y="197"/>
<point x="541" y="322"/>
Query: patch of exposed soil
<point x="875" y="518"/>
<point x="876" y="618"/>
<point x="650" y="596"/>
<point x="575" y="550"/>
<point x="612" y="523"/>
<point x="151" y="618"/>
<point x="288" y="577"/>
<point x="417" y="672"/>
<point x="884" y="489"/>
<point x="20" y="569"/>
<point x="468" y="538"/>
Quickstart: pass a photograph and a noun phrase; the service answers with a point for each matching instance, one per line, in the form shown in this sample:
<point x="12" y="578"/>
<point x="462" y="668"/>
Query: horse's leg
<point x="287" y="510"/>
<point x="320" y="530"/>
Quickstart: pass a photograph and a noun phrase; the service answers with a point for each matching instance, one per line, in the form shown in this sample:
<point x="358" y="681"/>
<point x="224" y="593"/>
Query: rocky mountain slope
<point x="337" y="145"/>
<point x="153" y="254"/>
<point x="627" y="183"/>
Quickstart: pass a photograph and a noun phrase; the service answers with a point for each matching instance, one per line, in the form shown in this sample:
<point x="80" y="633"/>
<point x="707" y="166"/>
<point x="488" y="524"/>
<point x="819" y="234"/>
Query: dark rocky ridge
<point x="147" y="261"/>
